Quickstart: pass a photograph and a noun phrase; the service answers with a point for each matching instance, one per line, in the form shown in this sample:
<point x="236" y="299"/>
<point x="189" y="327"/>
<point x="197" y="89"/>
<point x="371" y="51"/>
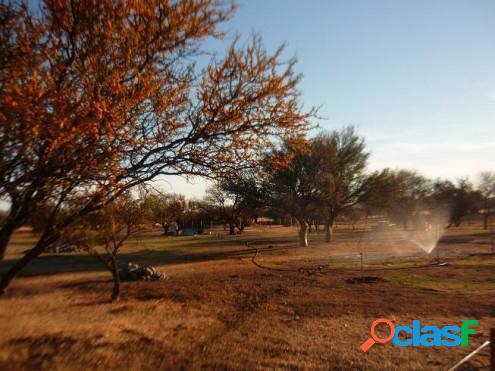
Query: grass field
<point x="293" y="310"/>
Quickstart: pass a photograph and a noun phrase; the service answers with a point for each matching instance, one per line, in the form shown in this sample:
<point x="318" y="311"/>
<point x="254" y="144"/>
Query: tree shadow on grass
<point x="467" y="238"/>
<point x="75" y="263"/>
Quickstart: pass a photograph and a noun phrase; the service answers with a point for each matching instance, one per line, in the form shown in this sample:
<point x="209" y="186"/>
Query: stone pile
<point x="135" y="272"/>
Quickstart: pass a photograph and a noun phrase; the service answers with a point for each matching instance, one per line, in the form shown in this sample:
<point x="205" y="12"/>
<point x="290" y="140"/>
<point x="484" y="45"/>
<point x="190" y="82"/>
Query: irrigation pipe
<point x="470" y="355"/>
<point x="253" y="259"/>
<point x="327" y="269"/>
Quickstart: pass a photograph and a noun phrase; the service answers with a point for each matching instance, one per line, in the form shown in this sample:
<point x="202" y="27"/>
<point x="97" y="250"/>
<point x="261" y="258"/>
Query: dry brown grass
<point x="227" y="313"/>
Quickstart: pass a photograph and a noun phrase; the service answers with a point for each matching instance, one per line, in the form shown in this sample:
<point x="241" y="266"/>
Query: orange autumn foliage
<point x="99" y="96"/>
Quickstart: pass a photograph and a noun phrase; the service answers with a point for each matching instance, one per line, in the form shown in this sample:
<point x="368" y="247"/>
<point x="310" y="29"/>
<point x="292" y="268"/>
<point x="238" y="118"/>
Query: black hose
<point x="326" y="269"/>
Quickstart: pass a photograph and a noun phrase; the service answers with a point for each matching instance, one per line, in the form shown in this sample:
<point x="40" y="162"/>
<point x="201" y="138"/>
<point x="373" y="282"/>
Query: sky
<point x="415" y="77"/>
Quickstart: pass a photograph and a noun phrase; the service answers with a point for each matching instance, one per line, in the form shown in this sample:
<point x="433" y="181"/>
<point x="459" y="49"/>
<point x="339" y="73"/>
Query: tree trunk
<point x="40" y="246"/>
<point x="48" y="237"/>
<point x="231" y="228"/>
<point x="15" y="219"/>
<point x="303" y="233"/>
<point x="116" y="280"/>
<point x="486" y="216"/>
<point x="328" y="230"/>
<point x="310" y="227"/>
<point x="5" y="234"/>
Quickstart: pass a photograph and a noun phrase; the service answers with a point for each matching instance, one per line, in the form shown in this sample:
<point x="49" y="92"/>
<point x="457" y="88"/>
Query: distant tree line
<point x="326" y="177"/>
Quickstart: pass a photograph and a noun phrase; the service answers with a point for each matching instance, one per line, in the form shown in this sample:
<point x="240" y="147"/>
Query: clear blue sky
<point x="416" y="77"/>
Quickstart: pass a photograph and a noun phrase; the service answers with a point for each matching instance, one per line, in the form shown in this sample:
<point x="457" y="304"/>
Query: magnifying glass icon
<point x="374" y="338"/>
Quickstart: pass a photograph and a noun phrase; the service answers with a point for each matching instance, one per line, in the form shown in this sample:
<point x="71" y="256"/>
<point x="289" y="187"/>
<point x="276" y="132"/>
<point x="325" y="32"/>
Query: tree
<point x="401" y="194"/>
<point x="164" y="209"/>
<point x="454" y="200"/>
<point x="116" y="223"/>
<point x="234" y="201"/>
<point x="340" y="160"/>
<point x="487" y="190"/>
<point x="322" y="178"/>
<point x="354" y="214"/>
<point x="290" y="188"/>
<point x="109" y="228"/>
<point x="104" y="96"/>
